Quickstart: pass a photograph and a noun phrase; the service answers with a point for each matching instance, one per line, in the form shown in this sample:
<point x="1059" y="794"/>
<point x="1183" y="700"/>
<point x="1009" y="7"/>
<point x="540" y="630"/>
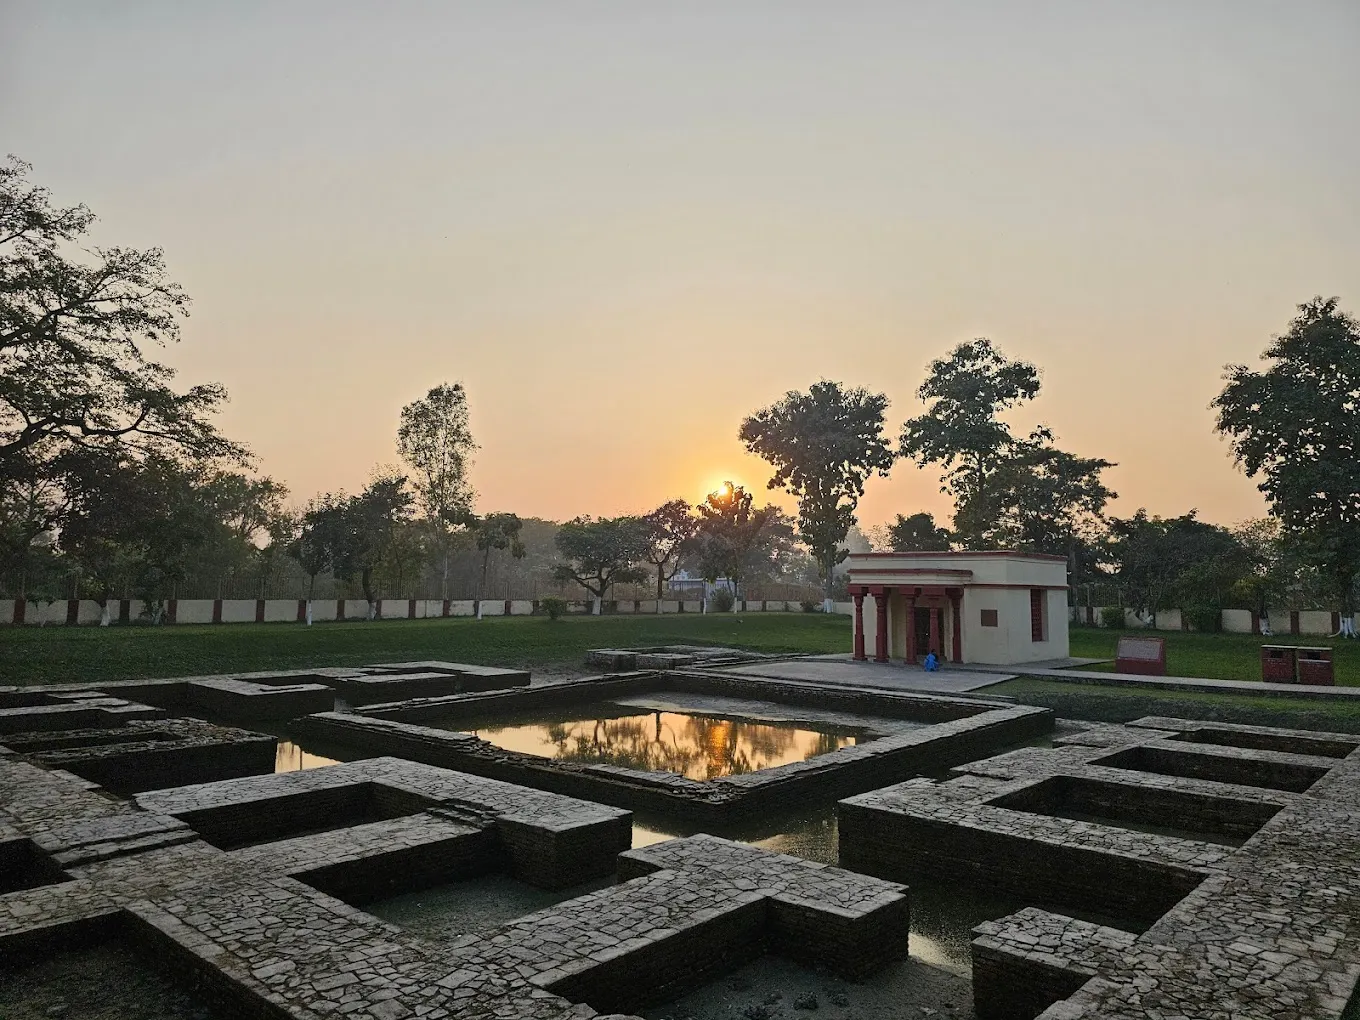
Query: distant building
<point x="1001" y="608"/>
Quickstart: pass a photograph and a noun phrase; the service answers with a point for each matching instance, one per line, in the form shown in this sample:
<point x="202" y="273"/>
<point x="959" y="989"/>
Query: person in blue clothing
<point x="932" y="663"/>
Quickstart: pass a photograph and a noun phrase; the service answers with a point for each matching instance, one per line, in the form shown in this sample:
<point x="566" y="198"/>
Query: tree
<point x="961" y="430"/>
<point x="135" y="525"/>
<point x="316" y="537"/>
<point x="1272" y="567"/>
<point x="1051" y="501"/>
<point x="1178" y="558"/>
<point x="918" y="533"/>
<point x="776" y="551"/>
<point x="435" y="439"/>
<point x="670" y="533"/>
<point x="282" y="529"/>
<point x="497" y="531"/>
<point x="1296" y="424"/>
<point x="358" y="530"/>
<point x="601" y="553"/>
<point x="823" y="445"/>
<point x="74" y="372"/>
<point x="729" y="526"/>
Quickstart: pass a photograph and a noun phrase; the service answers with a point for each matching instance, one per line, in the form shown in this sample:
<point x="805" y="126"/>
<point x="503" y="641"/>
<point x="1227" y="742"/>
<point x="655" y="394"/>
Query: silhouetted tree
<point x="1296" y="424"/>
<point x="670" y="534"/>
<point x="823" y="445"/>
<point x="435" y="439"/>
<point x="918" y="533"/>
<point x="602" y="553"/>
<point x="962" y="432"/>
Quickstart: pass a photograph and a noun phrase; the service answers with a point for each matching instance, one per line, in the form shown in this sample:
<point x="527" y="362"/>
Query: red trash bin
<point x="1278" y="664"/>
<point x="1315" y="667"/>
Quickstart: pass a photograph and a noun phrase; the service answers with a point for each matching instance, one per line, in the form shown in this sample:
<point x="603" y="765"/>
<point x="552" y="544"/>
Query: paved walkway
<point x="844" y="671"/>
<point x="961" y="679"/>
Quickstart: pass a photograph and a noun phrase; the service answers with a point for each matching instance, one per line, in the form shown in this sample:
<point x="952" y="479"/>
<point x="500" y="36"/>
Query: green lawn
<point x="1216" y="656"/>
<point x="70" y="654"/>
<point x="1121" y="704"/>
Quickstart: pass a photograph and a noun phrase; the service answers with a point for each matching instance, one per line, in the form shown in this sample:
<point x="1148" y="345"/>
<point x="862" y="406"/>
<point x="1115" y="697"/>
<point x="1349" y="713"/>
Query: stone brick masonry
<point x="242" y="925"/>
<point x="1236" y="864"/>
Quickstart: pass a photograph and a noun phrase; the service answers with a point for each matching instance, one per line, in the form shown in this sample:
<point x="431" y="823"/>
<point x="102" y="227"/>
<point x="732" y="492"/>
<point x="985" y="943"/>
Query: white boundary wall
<point x="1311" y="622"/>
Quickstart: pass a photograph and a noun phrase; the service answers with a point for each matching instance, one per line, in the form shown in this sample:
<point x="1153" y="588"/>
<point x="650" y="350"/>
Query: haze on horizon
<point x="623" y="227"/>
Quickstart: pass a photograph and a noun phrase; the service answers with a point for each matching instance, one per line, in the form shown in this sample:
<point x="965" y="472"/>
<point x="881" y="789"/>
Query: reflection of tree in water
<point x="697" y="746"/>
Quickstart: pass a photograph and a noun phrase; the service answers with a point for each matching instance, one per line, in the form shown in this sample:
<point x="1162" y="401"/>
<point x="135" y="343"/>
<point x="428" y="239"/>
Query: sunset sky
<point x="626" y="225"/>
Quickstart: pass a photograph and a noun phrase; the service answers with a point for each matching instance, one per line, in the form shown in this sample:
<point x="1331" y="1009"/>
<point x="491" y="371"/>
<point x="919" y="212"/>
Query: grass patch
<point x="1214" y="656"/>
<point x="1114" y="703"/>
<point x="30" y="655"/>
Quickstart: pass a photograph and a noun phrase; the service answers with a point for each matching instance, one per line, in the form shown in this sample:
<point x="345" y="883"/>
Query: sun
<point x="723" y="486"/>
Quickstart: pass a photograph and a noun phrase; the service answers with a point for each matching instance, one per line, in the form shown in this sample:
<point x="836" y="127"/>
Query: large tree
<point x="729" y="528"/>
<point x="497" y="533"/>
<point x="963" y="433"/>
<point x="136" y="525"/>
<point x="1296" y="425"/>
<point x="76" y="323"/>
<point x="435" y="439"/>
<point x="357" y="531"/>
<point x="670" y="534"/>
<point x="600" y="553"/>
<point x="1162" y="561"/>
<point x="1051" y="501"/>
<point x="918" y="533"/>
<point x="823" y="446"/>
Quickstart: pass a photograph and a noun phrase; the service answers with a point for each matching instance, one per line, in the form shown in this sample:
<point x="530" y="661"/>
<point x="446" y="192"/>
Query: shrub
<point x="1204" y="619"/>
<point x="721" y="601"/>
<point x="1112" y="617"/>
<point x="553" y="606"/>
<point x="808" y="606"/>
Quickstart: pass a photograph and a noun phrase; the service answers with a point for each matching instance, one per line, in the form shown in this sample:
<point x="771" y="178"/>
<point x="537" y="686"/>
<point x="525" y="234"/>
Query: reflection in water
<point x="291" y="758"/>
<point x="697" y="746"/>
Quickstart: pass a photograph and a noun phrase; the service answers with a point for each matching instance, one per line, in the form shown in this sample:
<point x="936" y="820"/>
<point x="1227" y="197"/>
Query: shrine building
<point x="998" y="607"/>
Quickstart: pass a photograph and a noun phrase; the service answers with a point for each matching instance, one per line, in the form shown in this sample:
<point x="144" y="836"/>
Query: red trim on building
<point x="881" y="633"/>
<point x="985" y="552"/>
<point x="1018" y="587"/>
<point x="859" y="655"/>
<point x="912" y="652"/>
<point x="958" y="626"/>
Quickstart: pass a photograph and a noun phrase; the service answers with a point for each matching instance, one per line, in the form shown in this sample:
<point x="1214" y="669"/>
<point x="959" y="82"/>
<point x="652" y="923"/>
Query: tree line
<point x="115" y="481"/>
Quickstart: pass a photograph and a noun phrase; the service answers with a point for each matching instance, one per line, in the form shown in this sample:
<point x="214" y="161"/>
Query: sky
<point x="625" y="226"/>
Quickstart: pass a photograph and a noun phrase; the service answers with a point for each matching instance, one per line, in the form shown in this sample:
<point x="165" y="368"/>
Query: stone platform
<point x="274" y="695"/>
<point x="955" y="730"/>
<point x="246" y="921"/>
<point x="146" y="754"/>
<point x="1226" y="858"/>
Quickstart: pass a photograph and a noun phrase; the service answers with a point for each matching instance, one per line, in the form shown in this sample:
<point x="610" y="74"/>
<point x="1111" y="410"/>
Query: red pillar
<point x="957" y="601"/>
<point x="881" y="635"/>
<point x="859" y="628"/>
<point x="934" y="641"/>
<point x="911" y="630"/>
